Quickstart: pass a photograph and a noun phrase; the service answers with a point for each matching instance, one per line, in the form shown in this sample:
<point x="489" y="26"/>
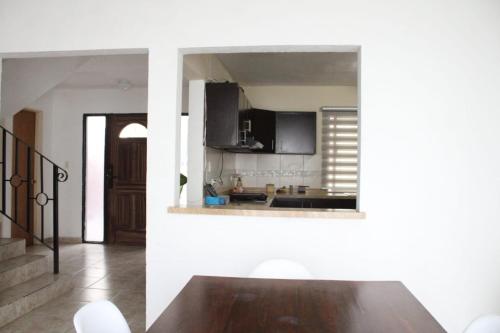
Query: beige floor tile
<point x="84" y="281"/>
<point x="99" y="272"/>
<point x="95" y="272"/>
<point x="118" y="283"/>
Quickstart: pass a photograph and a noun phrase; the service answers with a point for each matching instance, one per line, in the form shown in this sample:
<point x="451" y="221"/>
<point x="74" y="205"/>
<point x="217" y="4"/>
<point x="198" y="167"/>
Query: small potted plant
<point x="183" y="181"/>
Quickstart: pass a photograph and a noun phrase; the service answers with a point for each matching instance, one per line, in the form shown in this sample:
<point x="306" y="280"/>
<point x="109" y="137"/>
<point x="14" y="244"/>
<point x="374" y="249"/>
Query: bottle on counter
<point x="239" y="186"/>
<point x="270" y="189"/>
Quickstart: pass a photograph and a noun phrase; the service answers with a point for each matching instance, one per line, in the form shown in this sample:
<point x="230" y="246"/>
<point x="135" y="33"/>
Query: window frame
<point x="332" y="110"/>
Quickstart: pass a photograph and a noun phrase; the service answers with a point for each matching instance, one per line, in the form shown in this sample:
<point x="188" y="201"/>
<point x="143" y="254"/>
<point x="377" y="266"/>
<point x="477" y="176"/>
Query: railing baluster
<point x="55" y="213"/>
<point x="28" y="189"/>
<point x="4" y="161"/>
<point x="33" y="196"/>
<point x="16" y="169"/>
<point x="42" y="208"/>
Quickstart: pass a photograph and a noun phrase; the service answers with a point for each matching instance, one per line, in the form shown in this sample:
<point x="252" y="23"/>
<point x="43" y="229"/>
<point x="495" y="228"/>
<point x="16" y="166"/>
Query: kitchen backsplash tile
<point x="280" y="170"/>
<point x="291" y="180"/>
<point x="250" y="181"/>
<point x="257" y="170"/>
<point x="313" y="181"/>
<point x="268" y="162"/>
<point x="312" y="162"/>
<point x="262" y="181"/>
<point x="292" y="162"/>
<point x="246" y="161"/>
<point x="213" y="171"/>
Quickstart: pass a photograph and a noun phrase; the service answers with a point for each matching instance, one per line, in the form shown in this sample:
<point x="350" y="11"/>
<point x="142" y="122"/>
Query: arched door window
<point x="134" y="130"/>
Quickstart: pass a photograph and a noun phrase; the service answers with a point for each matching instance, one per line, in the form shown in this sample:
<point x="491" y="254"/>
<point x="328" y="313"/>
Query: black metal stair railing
<point x="30" y="191"/>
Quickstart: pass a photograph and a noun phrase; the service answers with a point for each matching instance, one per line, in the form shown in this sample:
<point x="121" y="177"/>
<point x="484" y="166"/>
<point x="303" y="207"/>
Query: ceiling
<point x="108" y="71"/>
<point x="319" y="68"/>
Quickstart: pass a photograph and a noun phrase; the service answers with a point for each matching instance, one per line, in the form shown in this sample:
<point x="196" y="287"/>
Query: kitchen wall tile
<point x="266" y="162"/>
<point x="312" y="162"/>
<point x="229" y="161"/>
<point x="246" y="162"/>
<point x="249" y="181"/>
<point x="291" y="180"/>
<point x="281" y="170"/>
<point x="312" y="181"/>
<point x="262" y="181"/>
<point x="212" y="164"/>
<point x="292" y="162"/>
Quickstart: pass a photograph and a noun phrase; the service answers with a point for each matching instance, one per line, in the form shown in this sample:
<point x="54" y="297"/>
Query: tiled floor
<point x="100" y="272"/>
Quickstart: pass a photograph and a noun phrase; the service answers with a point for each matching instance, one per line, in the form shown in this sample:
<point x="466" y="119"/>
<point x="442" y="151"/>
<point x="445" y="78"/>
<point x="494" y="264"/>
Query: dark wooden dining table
<point x="209" y="304"/>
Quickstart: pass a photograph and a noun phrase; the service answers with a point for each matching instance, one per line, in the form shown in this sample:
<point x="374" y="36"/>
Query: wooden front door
<point x="24" y="127"/>
<point x="126" y="179"/>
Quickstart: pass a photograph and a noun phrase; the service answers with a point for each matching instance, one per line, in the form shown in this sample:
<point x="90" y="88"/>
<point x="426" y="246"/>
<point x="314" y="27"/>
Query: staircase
<point x="25" y="280"/>
<point x="29" y="200"/>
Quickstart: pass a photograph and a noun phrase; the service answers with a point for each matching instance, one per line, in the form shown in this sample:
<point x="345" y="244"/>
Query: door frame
<point x="106" y="163"/>
<point x="17" y="230"/>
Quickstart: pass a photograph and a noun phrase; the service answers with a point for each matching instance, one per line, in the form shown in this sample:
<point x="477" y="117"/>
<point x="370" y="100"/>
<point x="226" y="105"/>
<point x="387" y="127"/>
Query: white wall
<point x="430" y="76"/>
<point x="63" y="135"/>
<point x="300" y="98"/>
<point x="30" y="79"/>
<point x="196" y="149"/>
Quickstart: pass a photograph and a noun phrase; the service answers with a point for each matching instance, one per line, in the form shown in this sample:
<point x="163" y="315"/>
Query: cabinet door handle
<point x="272" y="145"/>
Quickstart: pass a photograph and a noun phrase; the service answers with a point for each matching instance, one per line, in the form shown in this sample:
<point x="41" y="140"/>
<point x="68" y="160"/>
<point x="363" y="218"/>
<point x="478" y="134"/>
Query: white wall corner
<point x="196" y="150"/>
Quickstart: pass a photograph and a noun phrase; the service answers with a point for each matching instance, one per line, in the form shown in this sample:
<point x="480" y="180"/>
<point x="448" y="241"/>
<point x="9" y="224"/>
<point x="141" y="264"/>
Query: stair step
<point x="17" y="270"/>
<point x="23" y="298"/>
<point x="11" y="247"/>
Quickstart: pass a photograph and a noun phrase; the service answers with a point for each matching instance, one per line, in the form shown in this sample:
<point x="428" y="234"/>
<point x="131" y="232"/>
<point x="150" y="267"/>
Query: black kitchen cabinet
<point x="296" y="133"/>
<point x="233" y="125"/>
<point x="319" y="203"/>
<point x="260" y="126"/>
<point x="224" y="102"/>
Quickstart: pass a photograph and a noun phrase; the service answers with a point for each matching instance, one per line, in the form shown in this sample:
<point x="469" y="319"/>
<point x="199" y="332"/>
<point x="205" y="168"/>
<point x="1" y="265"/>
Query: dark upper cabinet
<point x="258" y="125"/>
<point x="224" y="102"/>
<point x="231" y="124"/>
<point x="296" y="133"/>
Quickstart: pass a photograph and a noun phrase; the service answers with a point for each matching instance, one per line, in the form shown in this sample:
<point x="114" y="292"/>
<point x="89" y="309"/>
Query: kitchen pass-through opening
<point x="272" y="125"/>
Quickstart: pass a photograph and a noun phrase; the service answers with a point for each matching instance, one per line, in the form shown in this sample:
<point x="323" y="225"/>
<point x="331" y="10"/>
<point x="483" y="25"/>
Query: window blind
<point x="339" y="148"/>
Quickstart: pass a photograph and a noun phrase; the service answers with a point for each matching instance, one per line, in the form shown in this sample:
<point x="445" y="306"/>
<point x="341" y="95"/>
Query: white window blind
<point x="339" y="148"/>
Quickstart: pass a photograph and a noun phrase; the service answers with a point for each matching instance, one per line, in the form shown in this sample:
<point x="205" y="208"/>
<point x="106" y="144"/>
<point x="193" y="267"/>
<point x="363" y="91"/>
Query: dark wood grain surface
<point x="224" y="305"/>
<point x="126" y="181"/>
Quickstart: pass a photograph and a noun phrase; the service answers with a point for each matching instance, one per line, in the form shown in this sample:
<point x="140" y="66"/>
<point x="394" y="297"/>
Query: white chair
<point x="281" y="269"/>
<point x="100" y="317"/>
<point x="485" y="324"/>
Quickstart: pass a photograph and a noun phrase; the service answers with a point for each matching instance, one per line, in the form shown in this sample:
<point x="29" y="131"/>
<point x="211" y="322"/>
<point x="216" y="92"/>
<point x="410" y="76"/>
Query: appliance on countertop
<point x="248" y="197"/>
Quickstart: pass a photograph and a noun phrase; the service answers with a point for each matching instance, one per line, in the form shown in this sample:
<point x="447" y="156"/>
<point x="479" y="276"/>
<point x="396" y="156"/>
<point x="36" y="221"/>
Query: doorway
<point x="24" y="127"/>
<point x="114" y="187"/>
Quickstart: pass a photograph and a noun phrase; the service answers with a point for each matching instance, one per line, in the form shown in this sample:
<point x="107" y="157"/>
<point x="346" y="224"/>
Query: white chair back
<point x="100" y="317"/>
<point x="281" y="269"/>
<point x="485" y="324"/>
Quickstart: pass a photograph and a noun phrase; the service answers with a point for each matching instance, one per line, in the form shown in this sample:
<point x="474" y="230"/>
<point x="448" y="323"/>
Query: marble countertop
<point x="264" y="208"/>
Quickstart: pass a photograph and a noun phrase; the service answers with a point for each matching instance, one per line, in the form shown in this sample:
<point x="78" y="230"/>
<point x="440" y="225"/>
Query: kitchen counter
<point x="265" y="209"/>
